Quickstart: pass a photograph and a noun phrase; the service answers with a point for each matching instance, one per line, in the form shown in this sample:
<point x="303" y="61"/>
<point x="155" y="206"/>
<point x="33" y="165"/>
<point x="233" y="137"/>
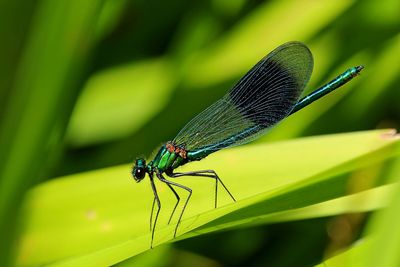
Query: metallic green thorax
<point x="167" y="161"/>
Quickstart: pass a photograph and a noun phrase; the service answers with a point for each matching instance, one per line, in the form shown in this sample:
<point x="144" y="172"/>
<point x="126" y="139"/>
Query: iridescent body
<point x="268" y="93"/>
<point x="167" y="160"/>
<point x="329" y="87"/>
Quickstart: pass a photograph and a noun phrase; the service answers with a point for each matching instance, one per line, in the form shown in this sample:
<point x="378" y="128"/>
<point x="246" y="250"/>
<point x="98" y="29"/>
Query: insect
<point x="268" y="93"/>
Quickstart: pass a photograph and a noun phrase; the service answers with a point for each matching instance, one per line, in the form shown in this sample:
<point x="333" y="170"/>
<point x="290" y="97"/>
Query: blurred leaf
<point x="195" y="31"/>
<point x="384" y="226"/>
<point x="47" y="77"/>
<point x="383" y="70"/>
<point x="159" y="256"/>
<point x="118" y="101"/>
<point x="352" y="257"/>
<point x="228" y="7"/>
<point x="167" y="255"/>
<point x="386" y="14"/>
<point x="382" y="232"/>
<point x="270" y="25"/>
<point x="101" y="217"/>
<point x="11" y="46"/>
<point x="103" y="114"/>
<point x="109" y="16"/>
<point x="360" y="202"/>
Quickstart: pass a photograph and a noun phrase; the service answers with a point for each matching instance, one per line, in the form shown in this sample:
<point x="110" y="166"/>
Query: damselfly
<point x="268" y="93"/>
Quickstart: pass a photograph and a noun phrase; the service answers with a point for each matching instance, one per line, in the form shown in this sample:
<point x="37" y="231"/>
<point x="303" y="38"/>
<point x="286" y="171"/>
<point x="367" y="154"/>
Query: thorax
<point x="169" y="157"/>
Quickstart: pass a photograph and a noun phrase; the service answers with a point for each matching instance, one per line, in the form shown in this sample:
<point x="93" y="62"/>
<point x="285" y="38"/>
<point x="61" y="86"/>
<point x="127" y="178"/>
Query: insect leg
<point x="205" y="173"/>
<point x="177" y="201"/>
<point x="159" y="175"/>
<point x="152" y="211"/>
<point x="157" y="200"/>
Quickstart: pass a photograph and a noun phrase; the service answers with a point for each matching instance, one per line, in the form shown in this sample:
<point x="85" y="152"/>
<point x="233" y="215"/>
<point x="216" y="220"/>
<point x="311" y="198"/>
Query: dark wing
<point x="261" y="98"/>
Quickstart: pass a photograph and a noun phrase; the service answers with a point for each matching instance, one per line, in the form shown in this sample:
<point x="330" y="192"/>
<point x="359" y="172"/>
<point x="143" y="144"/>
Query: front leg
<point x="170" y="184"/>
<point x="156" y="200"/>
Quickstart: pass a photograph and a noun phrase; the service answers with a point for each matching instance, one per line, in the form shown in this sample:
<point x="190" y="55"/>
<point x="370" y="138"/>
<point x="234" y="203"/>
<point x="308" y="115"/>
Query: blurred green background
<point x="87" y="85"/>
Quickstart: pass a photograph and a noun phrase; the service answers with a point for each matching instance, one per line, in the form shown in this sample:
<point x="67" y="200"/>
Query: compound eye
<point x="140" y="173"/>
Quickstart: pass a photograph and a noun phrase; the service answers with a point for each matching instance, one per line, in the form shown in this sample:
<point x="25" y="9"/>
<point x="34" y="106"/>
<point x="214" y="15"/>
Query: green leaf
<point x="112" y="104"/>
<point x="238" y="50"/>
<point x="360" y="202"/>
<point x="109" y="108"/>
<point x="355" y="256"/>
<point x="382" y="230"/>
<point x="102" y="217"/>
<point x="384" y="226"/>
<point x="377" y="79"/>
<point x="109" y="16"/>
<point x="41" y="88"/>
<point x="159" y="256"/>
